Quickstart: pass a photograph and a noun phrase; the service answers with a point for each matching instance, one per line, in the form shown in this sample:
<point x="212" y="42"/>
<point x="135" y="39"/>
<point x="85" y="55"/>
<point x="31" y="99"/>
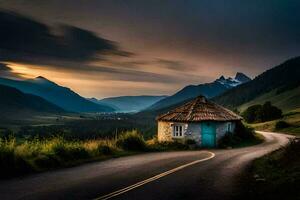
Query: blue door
<point x="208" y="133"/>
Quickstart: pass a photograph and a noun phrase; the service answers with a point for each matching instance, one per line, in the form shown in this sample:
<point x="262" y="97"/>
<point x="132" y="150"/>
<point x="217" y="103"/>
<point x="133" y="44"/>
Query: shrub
<point x="252" y="113"/>
<point x="281" y="125"/>
<point x="190" y="142"/>
<point x="229" y="140"/>
<point x="168" y="145"/>
<point x="131" y="141"/>
<point x="104" y="149"/>
<point x="70" y="151"/>
<point x="261" y="113"/>
<point x="242" y="134"/>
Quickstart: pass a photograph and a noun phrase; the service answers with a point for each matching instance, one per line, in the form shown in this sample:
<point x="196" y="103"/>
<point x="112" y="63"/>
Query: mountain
<point x="209" y="90"/>
<point x="129" y="103"/>
<point x="14" y="103"/>
<point x="242" y="77"/>
<point x="56" y="94"/>
<point x="279" y="84"/>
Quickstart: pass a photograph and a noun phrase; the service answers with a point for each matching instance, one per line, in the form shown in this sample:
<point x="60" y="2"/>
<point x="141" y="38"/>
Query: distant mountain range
<point x="129" y="103"/>
<point x="280" y="85"/>
<point x="209" y="90"/>
<point x="16" y="104"/>
<point x="56" y="94"/>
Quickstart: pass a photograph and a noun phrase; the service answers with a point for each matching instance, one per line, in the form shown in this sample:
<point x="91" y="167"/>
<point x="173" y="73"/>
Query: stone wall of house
<point x="193" y="131"/>
<point x="164" y="132"/>
<point x="190" y="131"/>
<point x="222" y="129"/>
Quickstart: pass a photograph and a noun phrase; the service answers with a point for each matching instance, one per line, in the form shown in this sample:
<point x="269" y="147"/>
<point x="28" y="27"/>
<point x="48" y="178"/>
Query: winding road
<point x="206" y="174"/>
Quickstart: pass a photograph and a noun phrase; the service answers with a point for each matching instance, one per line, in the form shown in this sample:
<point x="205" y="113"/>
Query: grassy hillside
<point x="292" y="118"/>
<point x="286" y="101"/>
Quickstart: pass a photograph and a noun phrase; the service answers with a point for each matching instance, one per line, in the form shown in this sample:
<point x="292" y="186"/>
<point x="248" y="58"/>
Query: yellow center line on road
<point x="141" y="183"/>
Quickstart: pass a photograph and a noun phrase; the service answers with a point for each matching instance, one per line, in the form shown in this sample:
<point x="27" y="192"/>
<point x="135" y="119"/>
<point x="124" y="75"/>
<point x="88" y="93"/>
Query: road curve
<point x="212" y="177"/>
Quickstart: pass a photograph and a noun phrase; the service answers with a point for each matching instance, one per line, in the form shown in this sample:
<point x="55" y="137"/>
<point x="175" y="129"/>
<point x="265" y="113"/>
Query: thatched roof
<point x="199" y="109"/>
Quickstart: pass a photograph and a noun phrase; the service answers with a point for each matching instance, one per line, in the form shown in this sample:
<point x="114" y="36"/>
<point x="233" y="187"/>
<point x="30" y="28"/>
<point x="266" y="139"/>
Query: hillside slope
<point x="286" y="101"/>
<point x="281" y="78"/>
<point x="14" y="103"/>
<point x="56" y="94"/>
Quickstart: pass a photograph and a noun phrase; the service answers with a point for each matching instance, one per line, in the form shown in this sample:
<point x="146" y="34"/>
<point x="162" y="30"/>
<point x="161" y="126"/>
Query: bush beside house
<point x="242" y="136"/>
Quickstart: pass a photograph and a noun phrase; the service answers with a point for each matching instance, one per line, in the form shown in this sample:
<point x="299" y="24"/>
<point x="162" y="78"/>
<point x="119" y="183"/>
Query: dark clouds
<point x="175" y="65"/>
<point x="24" y="39"/>
<point x="7" y="72"/>
<point x="256" y="34"/>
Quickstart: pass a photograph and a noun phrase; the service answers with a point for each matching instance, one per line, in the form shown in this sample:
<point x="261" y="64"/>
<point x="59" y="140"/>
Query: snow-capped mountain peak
<point x="233" y="82"/>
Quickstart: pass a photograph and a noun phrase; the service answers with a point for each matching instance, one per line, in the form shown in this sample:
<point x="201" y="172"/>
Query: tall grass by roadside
<point x="22" y="156"/>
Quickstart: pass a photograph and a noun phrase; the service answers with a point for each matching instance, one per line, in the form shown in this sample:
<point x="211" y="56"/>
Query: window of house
<point x="178" y="130"/>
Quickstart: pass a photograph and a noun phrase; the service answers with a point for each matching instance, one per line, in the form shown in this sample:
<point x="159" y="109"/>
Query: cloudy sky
<point x="132" y="47"/>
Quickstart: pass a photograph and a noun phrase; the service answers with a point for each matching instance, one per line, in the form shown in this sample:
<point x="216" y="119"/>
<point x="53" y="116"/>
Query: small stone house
<point x="200" y="120"/>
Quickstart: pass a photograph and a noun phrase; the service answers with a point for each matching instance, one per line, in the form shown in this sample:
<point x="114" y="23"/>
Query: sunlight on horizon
<point x="89" y="85"/>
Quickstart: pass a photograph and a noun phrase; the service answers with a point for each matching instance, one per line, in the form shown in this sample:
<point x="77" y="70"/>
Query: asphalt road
<point x="207" y="174"/>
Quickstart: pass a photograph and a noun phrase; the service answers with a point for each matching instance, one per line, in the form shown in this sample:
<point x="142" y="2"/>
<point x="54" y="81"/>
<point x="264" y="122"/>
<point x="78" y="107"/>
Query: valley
<point x="281" y="87"/>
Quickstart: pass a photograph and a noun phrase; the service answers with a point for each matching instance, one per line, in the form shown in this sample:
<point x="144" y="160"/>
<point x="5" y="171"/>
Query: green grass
<point x="276" y="175"/>
<point x="286" y="101"/>
<point x="23" y="156"/>
<point x="292" y="118"/>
